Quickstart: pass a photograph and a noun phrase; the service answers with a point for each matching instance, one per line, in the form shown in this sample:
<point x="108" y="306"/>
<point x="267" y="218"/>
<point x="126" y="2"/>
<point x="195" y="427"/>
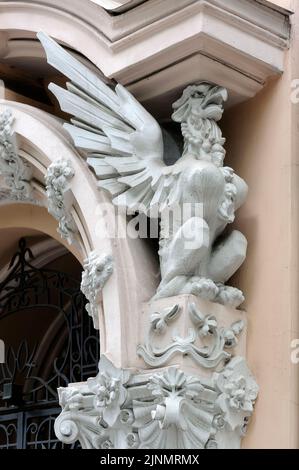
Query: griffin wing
<point x="123" y="143"/>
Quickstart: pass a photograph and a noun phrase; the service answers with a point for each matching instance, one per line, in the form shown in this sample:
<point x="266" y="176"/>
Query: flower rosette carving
<point x="58" y="177"/>
<point x="92" y="412"/>
<point x="238" y="392"/>
<point x="108" y="390"/>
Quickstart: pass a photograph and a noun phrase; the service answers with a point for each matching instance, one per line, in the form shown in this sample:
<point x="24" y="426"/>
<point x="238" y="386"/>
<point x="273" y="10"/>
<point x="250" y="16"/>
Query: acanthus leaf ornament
<point x="15" y="170"/>
<point x="162" y="410"/>
<point x="97" y="271"/>
<point x="124" y="145"/>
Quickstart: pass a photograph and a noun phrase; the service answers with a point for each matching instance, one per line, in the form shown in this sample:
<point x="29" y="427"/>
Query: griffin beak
<point x="218" y="95"/>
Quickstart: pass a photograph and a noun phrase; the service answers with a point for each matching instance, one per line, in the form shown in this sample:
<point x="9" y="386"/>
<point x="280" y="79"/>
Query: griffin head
<point x="198" y="110"/>
<point x="204" y="101"/>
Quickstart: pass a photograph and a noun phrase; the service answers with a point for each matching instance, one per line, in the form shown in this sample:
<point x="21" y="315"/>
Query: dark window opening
<point x="49" y="342"/>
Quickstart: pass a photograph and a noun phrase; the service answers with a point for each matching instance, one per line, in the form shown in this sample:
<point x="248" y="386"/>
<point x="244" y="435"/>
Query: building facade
<point x="149" y="175"/>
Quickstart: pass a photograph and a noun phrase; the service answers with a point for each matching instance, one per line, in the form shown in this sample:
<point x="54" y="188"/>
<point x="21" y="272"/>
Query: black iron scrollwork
<point x="35" y="369"/>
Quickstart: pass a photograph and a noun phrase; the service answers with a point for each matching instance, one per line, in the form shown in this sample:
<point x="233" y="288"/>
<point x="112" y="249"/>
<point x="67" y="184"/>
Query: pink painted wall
<point x="263" y="143"/>
<point x="289" y="4"/>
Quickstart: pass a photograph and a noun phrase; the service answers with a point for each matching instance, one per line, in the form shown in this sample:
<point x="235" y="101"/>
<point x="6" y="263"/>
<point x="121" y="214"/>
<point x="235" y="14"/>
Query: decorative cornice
<point x="15" y="170"/>
<point x="58" y="177"/>
<point x="265" y="15"/>
<point x="241" y="43"/>
<point x="97" y="270"/>
<point x="165" y="410"/>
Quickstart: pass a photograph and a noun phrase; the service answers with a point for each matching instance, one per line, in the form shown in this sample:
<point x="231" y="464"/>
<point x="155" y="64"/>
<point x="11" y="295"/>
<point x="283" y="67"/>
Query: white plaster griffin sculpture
<point x="127" y="147"/>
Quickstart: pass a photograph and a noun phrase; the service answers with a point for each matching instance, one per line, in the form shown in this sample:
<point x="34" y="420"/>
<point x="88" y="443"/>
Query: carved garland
<point x="58" y="179"/>
<point x="15" y="170"/>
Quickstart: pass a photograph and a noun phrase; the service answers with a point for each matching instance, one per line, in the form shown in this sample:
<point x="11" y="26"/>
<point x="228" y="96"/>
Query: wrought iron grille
<point x="34" y="370"/>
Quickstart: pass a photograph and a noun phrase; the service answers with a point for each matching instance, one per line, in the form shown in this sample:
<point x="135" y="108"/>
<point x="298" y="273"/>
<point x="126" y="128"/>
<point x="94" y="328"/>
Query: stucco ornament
<point x="238" y="392"/>
<point x="97" y="271"/>
<point x="58" y="177"/>
<point x="207" y="342"/>
<point x="161" y="320"/>
<point x="15" y="170"/>
<point x="79" y="421"/>
<point x="162" y="410"/>
<point x="126" y="147"/>
<point x="109" y="390"/>
<point x="173" y="419"/>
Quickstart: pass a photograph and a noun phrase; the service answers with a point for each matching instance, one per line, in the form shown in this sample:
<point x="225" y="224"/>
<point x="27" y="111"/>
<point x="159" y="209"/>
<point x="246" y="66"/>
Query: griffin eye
<point x="197" y="94"/>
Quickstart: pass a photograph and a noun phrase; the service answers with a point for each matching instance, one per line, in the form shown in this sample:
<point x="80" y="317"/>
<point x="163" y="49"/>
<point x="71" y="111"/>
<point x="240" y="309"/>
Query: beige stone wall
<point x="289" y="4"/>
<point x="263" y="143"/>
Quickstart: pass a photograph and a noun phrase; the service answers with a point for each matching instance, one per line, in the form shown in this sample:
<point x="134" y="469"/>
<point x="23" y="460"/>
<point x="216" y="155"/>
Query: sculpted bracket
<point x="164" y="410"/>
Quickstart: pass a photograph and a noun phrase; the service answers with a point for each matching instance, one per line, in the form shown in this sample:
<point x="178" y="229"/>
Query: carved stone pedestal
<point x="194" y="334"/>
<point x="198" y="392"/>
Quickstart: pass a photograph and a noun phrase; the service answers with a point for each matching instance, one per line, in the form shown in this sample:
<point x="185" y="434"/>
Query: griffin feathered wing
<point x="123" y="143"/>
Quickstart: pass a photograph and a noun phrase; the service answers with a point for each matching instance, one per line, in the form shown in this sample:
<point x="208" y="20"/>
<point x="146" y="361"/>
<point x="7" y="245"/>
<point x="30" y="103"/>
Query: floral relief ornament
<point x="91" y="410"/>
<point x="178" y="415"/>
<point x="15" y="170"/>
<point x="161" y="320"/>
<point x="238" y="392"/>
<point x="109" y="391"/>
<point x="58" y="177"/>
<point x="160" y="410"/>
<point x="207" y="342"/>
<point x="195" y="413"/>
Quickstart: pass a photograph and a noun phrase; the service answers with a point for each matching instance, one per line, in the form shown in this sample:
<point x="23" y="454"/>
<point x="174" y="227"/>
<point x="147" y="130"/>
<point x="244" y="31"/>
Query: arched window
<point x="49" y="341"/>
